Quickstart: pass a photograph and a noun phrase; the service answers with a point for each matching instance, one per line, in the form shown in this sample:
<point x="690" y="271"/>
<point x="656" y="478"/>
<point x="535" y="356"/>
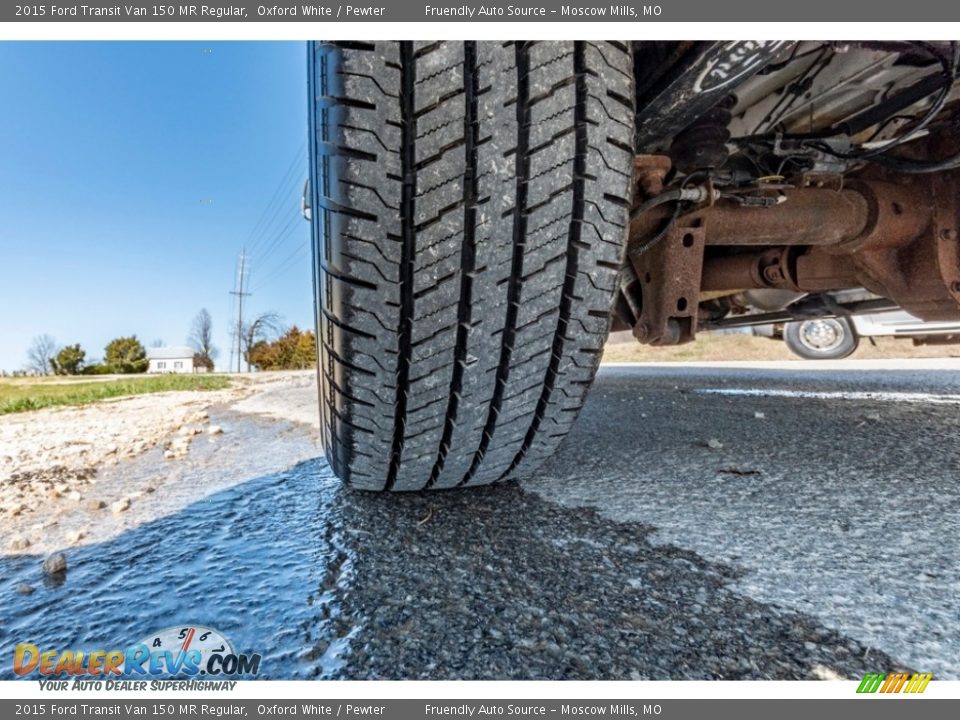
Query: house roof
<point x="169" y="353"/>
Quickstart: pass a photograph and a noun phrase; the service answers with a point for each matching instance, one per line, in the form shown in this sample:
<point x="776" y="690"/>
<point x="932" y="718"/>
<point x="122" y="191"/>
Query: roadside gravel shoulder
<point x="50" y="459"/>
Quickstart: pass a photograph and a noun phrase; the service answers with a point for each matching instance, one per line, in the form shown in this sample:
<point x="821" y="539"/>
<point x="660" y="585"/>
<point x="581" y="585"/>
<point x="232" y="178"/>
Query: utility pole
<point x="240" y="295"/>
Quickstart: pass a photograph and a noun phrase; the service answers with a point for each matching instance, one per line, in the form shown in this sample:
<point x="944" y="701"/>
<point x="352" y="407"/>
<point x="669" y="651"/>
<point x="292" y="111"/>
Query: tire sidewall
<point x="792" y="336"/>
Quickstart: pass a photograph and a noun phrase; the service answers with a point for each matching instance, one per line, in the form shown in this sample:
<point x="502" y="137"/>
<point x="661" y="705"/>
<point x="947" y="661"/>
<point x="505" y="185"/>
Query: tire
<point x="821" y="339"/>
<point x="471" y="203"/>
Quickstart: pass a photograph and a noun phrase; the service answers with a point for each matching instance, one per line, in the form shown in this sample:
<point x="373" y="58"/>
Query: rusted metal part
<point x="897" y="213"/>
<point x="817" y="270"/>
<point x="732" y="273"/>
<point x="669" y="279"/>
<point x="910" y="252"/>
<point x="895" y="236"/>
<point x="806" y="216"/>
<point x="650" y="171"/>
<point x="780" y="268"/>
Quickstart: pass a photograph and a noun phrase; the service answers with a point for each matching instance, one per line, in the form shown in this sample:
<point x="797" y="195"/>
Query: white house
<point x="170" y="360"/>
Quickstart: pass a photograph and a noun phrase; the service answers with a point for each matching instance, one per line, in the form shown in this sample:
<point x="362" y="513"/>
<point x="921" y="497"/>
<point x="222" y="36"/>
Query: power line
<point x="280" y="268"/>
<point x="283" y="189"/>
<point x="282" y="234"/>
<point x="277" y="223"/>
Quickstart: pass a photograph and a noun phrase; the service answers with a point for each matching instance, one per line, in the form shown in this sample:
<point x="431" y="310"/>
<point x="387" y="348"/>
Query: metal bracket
<point x="669" y="278"/>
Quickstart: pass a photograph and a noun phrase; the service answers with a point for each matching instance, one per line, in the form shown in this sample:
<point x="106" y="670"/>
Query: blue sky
<point x="132" y="174"/>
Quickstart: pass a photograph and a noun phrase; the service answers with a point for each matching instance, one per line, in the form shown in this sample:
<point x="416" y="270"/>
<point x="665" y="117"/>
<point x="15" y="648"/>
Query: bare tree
<point x="42" y="350"/>
<point x="260" y="328"/>
<point x="201" y="336"/>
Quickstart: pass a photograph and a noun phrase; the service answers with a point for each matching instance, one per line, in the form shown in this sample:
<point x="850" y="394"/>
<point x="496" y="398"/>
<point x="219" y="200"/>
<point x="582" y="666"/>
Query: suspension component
<point x="703" y="144"/>
<point x="897" y="236"/>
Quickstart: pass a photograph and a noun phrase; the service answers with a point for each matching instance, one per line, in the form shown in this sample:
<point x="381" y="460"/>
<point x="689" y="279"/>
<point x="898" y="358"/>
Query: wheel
<point x="471" y="203"/>
<point x="821" y="339"/>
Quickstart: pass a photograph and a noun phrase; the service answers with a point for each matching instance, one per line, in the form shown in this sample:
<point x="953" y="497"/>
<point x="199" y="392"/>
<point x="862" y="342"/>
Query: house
<point x="170" y="360"/>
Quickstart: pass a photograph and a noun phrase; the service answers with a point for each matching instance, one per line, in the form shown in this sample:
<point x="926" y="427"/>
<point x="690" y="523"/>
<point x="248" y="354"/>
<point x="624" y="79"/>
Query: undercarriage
<point x="770" y="175"/>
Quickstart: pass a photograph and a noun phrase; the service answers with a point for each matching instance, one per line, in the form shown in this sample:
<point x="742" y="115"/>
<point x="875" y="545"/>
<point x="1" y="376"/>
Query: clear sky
<point x="132" y="174"/>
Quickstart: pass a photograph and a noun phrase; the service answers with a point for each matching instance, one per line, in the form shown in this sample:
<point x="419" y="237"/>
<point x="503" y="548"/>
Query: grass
<point x="23" y="394"/>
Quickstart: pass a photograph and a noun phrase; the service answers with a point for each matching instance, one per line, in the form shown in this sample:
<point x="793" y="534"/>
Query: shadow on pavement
<point x="489" y="583"/>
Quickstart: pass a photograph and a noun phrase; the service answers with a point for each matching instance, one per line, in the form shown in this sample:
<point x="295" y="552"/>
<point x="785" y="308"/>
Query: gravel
<point x="498" y="583"/>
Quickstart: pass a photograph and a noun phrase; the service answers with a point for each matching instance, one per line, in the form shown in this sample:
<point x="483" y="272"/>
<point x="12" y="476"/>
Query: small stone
<point x="714" y="444"/>
<point x="149" y="489"/>
<point x="120" y="506"/>
<point x="56" y="563"/>
<point x="75" y="536"/>
<point x="53" y="494"/>
<point x="93" y="505"/>
<point x="169" y="455"/>
<point x="24" y="589"/>
<point x="19" y="542"/>
<point x="759" y="416"/>
<point x="821" y="672"/>
<point x="874" y="416"/>
<point x="61" y="488"/>
<point x="74" y="495"/>
<point x="215" y="430"/>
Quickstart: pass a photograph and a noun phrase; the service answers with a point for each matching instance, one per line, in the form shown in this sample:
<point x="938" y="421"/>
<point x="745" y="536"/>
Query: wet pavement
<point x="820" y="540"/>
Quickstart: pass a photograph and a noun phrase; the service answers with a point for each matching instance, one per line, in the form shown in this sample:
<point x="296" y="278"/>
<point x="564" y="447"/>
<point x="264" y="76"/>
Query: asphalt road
<point x="777" y="521"/>
<point x="835" y="494"/>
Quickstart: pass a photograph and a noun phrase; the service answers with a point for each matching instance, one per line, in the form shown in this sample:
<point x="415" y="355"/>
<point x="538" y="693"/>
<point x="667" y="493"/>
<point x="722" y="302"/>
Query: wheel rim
<point x="821" y="335"/>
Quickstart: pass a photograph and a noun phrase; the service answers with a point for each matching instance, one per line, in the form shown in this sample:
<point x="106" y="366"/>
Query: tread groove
<point x="408" y="249"/>
<point x="468" y="254"/>
<point x="572" y="253"/>
<point x="507" y="337"/>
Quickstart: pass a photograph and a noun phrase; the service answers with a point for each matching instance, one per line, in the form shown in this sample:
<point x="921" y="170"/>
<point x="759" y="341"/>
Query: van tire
<point x="470" y="204"/>
<point x="842" y="342"/>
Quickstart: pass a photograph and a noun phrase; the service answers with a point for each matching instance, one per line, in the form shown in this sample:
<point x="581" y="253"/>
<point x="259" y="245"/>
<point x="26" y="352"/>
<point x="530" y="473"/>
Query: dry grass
<point x="722" y="348"/>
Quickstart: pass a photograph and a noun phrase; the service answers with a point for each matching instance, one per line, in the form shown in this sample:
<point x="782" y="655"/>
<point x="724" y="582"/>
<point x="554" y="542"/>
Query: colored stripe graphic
<point x="918" y="683"/>
<point x="894" y="683"/>
<point x="870" y="683"/>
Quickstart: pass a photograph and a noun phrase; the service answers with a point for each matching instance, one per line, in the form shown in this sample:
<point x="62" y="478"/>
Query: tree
<point x="41" y="354"/>
<point x="294" y="350"/>
<point x="257" y="330"/>
<point x="201" y="339"/>
<point x="69" y="360"/>
<point x="202" y="361"/>
<point x="126" y="355"/>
